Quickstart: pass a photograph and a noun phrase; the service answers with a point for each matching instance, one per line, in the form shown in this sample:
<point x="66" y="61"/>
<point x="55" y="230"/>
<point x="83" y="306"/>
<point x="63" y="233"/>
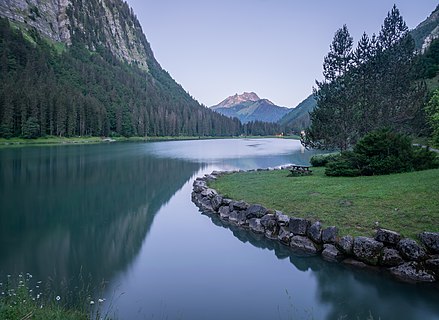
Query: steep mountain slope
<point x="249" y="107"/>
<point x="427" y="31"/>
<point x="298" y="118"/>
<point x="77" y="67"/>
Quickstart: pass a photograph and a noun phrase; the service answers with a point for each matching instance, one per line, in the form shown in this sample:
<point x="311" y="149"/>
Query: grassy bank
<point x="52" y="140"/>
<point x="407" y="203"/>
<point x="23" y="298"/>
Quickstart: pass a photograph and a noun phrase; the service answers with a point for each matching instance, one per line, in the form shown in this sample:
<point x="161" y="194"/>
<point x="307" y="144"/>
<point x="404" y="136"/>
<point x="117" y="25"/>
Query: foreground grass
<point x="22" y="298"/>
<point x="407" y="203"/>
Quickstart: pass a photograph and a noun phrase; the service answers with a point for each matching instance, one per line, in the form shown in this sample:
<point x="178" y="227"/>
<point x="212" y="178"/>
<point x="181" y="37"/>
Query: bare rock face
<point x="59" y="21"/>
<point x="49" y="17"/>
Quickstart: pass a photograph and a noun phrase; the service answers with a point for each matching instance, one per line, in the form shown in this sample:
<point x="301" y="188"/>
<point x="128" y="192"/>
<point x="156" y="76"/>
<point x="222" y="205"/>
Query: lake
<point x="121" y="214"/>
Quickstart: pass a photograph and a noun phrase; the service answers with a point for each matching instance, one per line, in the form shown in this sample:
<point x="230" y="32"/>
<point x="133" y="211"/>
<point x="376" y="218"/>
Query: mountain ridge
<point x="249" y="107"/>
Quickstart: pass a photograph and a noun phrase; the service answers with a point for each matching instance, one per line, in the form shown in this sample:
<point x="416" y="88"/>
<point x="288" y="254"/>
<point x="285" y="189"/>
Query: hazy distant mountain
<point x="249" y="107"/>
<point x="298" y="118"/>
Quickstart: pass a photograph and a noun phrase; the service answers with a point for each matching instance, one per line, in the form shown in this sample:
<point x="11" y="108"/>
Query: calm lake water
<point x="122" y="213"/>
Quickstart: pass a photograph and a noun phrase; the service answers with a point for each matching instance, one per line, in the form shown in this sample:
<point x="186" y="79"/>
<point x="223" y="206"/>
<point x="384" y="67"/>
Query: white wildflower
<point x="92" y="302"/>
<point x="58" y="298"/>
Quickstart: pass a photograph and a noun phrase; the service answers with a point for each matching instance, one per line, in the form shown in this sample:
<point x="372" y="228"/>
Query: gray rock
<point x="412" y="271"/>
<point x="367" y="250"/>
<point x="299" y="226"/>
<point x="233" y="216"/>
<point x="199" y="186"/>
<point x="329" y="235"/>
<point x="284" y="235"/>
<point x="241" y="218"/>
<point x="216" y="202"/>
<point x="205" y="205"/>
<point x="391" y="258"/>
<point x="387" y="236"/>
<point x="282" y="218"/>
<point x="410" y="250"/>
<point x="355" y="263"/>
<point x="303" y="244"/>
<point x="209" y="193"/>
<point x="430" y="240"/>
<point x="433" y="265"/>
<point x="256" y="226"/>
<point x="346" y="244"/>
<point x="269" y="221"/>
<point x="238" y="205"/>
<point x="224" y="212"/>
<point x="256" y="211"/>
<point x="227" y="202"/>
<point x="315" y="232"/>
<point x="331" y="253"/>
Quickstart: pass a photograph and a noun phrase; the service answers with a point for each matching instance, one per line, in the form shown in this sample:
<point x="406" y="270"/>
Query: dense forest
<point x="49" y="89"/>
<point x="378" y="84"/>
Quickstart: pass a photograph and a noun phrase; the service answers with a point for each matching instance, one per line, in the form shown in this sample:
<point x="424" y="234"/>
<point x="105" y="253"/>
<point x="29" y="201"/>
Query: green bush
<point x="424" y="159"/>
<point x="382" y="152"/>
<point x="321" y="160"/>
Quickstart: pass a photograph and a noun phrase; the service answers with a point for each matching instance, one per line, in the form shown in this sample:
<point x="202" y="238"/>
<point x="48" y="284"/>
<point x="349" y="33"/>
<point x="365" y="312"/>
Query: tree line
<point x="375" y="85"/>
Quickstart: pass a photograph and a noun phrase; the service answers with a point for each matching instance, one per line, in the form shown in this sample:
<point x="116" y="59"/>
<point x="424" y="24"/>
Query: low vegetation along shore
<point x="406" y="202"/>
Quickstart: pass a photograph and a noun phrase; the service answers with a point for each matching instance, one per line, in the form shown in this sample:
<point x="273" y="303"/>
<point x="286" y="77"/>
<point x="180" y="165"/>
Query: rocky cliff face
<point x="427" y="31"/>
<point x="48" y="17"/>
<point x="108" y="23"/>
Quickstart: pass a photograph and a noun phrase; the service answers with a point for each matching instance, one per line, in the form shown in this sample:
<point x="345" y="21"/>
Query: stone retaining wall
<point x="402" y="257"/>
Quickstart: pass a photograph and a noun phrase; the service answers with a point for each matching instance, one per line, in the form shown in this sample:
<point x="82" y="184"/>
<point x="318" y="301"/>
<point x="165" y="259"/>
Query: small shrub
<point x="343" y="166"/>
<point x="382" y="152"/>
<point x="424" y="159"/>
<point x="321" y="160"/>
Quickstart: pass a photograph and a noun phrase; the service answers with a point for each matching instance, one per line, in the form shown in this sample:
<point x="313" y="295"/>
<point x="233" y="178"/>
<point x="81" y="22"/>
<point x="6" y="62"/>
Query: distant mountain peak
<point x="237" y="99"/>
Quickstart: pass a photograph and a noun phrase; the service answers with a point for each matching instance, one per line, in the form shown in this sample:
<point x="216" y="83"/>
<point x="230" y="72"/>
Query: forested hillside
<point x="93" y="74"/>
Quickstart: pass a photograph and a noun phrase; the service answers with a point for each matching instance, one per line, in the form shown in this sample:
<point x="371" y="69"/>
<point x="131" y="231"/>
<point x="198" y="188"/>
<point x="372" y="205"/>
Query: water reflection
<point x="64" y="209"/>
<point x="348" y="292"/>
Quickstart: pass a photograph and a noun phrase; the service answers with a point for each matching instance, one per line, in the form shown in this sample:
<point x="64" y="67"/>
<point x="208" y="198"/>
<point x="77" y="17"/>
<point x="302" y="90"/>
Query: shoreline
<point x="57" y="141"/>
<point x="401" y="257"/>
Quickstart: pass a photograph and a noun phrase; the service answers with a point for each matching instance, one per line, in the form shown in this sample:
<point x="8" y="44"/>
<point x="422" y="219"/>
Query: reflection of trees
<point x="352" y="293"/>
<point x="89" y="207"/>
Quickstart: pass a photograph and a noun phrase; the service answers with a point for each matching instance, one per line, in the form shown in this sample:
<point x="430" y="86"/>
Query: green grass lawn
<point x="407" y="203"/>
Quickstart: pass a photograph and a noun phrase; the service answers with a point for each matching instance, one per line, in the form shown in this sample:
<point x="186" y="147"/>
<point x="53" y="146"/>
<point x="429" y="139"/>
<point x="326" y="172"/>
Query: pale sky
<point x="216" y="48"/>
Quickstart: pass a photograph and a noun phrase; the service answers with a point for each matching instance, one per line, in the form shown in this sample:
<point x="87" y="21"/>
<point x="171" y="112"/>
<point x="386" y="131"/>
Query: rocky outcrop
<point x="402" y="257"/>
<point x="112" y="26"/>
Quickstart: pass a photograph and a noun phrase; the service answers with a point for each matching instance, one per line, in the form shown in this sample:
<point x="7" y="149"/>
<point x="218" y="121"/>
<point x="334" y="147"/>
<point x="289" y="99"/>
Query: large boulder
<point x="433" y="265"/>
<point x="391" y="258"/>
<point x="282" y="219"/>
<point x="329" y="235"/>
<point x="255" y="225"/>
<point x="346" y="245"/>
<point x="233" y="216"/>
<point x="413" y="272"/>
<point x="410" y="250"/>
<point x="303" y="244"/>
<point x="299" y="226"/>
<point x="241" y="218"/>
<point x="224" y="212"/>
<point x="315" y="232"/>
<point x="209" y="193"/>
<point x="430" y="241"/>
<point x="269" y="221"/>
<point x="199" y="186"/>
<point x="331" y="253"/>
<point x="367" y="250"/>
<point x="387" y="236"/>
<point x="256" y="211"/>
<point x="238" y="205"/>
